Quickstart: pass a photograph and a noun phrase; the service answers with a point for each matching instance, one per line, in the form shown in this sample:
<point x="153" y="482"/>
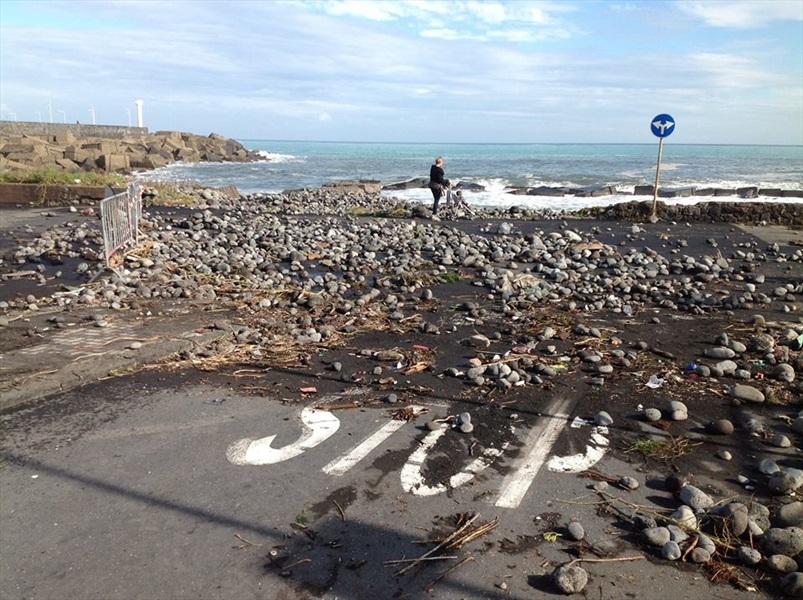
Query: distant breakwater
<point x="77" y="148"/>
<point x="746" y="193"/>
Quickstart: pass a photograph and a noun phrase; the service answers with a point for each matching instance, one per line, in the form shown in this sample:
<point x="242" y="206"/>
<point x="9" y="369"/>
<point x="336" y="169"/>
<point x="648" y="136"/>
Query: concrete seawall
<point x="34" y="194"/>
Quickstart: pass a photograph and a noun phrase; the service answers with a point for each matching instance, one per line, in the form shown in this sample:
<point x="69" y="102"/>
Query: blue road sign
<point x="662" y="125"/>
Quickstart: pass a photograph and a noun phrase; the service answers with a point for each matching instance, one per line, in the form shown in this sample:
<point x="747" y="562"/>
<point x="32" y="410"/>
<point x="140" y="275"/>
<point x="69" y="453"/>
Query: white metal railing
<point x="120" y="215"/>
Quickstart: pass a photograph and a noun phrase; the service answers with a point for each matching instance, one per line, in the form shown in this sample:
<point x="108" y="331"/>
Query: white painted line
<point x="480" y="463"/>
<point x="577" y="463"/>
<point x="342" y="464"/>
<point x="536" y="449"/>
<point x="412" y="479"/>
<point x="317" y="426"/>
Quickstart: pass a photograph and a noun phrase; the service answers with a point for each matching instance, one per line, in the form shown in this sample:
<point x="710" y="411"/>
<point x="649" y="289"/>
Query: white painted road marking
<point x="412" y="479"/>
<point x="340" y="465"/>
<point x="580" y="462"/>
<point x="317" y="425"/>
<point x="539" y="442"/>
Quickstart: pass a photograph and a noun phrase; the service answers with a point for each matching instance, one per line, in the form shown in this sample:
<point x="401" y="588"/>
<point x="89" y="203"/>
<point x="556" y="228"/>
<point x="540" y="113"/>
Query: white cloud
<point x="743" y="14"/>
<point x="728" y="71"/>
<point x="373" y="11"/>
<point x="488" y="12"/>
<point x="447" y="34"/>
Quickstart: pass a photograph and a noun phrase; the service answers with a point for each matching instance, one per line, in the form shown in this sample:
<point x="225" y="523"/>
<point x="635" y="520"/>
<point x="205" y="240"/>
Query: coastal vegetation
<point x="51" y="176"/>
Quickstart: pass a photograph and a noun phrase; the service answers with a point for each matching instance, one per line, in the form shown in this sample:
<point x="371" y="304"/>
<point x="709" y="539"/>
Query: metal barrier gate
<point x="120" y="215"/>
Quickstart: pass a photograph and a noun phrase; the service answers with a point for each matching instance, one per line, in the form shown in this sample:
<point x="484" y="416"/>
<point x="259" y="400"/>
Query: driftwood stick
<point x="399" y="561"/>
<point x="298" y="562"/>
<point x="340" y="508"/>
<point x="440" y="577"/>
<point x="449" y="538"/>
<point x="604" y="560"/>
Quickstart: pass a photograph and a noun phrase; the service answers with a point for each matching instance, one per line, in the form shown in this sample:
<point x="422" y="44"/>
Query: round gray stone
<point x="781" y="441"/>
<point x="781" y="564"/>
<point x="706" y="543"/>
<point x="781" y="483"/>
<point x="746" y="393"/>
<point x="796" y="474"/>
<point x="570" y="580"/>
<point x="789" y="515"/>
<point x="784" y="372"/>
<point x="656" y="536"/>
<point x="720" y="352"/>
<point x="603" y="418"/>
<point x="684" y="515"/>
<point x="768" y="467"/>
<point x="728" y="367"/>
<point x="735" y="517"/>
<point x="748" y="556"/>
<point x="760" y="515"/>
<point x="720" y="427"/>
<point x="700" y="555"/>
<point x="653" y="414"/>
<point x="628" y="483"/>
<point x="671" y="551"/>
<point x="695" y="498"/>
<point x="576" y="531"/>
<point x="677" y="534"/>
<point x="787" y="541"/>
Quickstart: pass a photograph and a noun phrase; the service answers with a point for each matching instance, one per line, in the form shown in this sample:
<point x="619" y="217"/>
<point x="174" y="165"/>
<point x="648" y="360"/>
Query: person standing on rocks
<point x="437" y="183"/>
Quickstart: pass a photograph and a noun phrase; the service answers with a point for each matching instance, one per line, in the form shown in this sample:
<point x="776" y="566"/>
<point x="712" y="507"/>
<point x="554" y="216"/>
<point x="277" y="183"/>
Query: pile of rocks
<point x="251" y="247"/>
<point x="707" y="212"/>
<point x="145" y="151"/>
<point x="744" y="531"/>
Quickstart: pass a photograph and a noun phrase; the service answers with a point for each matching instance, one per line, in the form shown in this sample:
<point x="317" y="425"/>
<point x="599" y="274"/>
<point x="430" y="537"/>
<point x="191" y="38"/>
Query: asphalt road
<point x="126" y="489"/>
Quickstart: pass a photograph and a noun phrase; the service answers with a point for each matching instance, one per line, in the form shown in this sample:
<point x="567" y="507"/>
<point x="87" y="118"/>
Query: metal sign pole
<point x="657" y="177"/>
<point x="661" y="126"/>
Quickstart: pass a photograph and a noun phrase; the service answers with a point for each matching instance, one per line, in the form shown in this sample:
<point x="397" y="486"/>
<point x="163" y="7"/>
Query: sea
<point x="497" y="168"/>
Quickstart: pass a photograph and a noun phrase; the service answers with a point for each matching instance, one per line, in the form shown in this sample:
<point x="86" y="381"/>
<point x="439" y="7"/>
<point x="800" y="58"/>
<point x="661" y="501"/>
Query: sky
<point x="567" y="71"/>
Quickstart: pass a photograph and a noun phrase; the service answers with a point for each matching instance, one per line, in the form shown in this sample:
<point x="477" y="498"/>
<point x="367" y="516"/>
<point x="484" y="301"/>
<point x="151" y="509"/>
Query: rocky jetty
<point x="143" y="151"/>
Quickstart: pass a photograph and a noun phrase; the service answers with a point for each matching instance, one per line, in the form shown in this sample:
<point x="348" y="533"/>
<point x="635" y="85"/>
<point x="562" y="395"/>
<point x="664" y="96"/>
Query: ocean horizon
<point x="498" y="167"/>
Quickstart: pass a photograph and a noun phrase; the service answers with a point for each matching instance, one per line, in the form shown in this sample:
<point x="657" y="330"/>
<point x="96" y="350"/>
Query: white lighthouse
<point x="138" y="104"/>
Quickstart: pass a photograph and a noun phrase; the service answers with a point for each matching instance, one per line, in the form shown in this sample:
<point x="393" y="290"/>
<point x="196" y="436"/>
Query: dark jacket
<point x="436" y="176"/>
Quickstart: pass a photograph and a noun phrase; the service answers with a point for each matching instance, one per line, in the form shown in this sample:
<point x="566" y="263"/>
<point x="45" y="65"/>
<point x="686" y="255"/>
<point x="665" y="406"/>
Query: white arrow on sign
<point x="662" y="126"/>
<point x="317" y="425"/>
